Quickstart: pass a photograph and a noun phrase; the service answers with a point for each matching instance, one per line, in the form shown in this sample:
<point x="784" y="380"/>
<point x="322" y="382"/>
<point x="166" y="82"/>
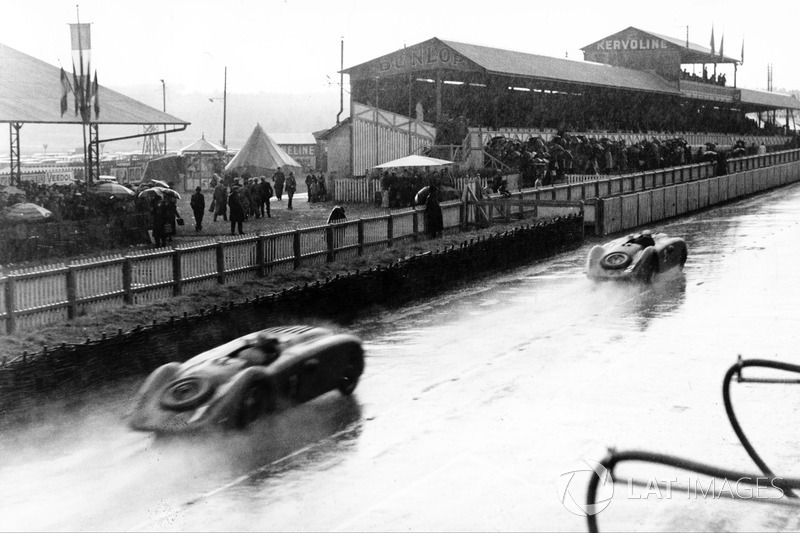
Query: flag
<point x="66" y="88"/>
<point x="95" y="96"/>
<point x="712" y="40"/>
<point x="721" y="45"/>
<point x="81" y="38"/>
<point x="742" y="51"/>
<point x="77" y="91"/>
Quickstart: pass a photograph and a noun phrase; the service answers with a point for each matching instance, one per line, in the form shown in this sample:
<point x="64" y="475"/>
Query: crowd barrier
<point x="648" y="199"/>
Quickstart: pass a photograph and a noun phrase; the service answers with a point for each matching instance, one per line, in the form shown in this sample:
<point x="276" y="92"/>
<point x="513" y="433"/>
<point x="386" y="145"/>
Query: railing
<point x="52" y="293"/>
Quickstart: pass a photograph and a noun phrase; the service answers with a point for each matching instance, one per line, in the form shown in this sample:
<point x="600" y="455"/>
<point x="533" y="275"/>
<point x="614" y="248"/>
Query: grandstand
<point x="634" y="82"/>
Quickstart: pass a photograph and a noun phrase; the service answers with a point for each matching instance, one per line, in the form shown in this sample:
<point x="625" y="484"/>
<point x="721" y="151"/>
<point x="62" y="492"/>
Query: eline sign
<point x="632" y="44"/>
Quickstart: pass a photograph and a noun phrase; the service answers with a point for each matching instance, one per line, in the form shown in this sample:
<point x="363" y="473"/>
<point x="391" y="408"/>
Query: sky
<point x="271" y="46"/>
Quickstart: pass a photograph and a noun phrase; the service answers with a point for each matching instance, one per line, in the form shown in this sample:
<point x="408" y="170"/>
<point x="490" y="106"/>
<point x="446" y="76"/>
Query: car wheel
<point x="186" y="393"/>
<point x="254" y="403"/>
<point x="350" y="374"/>
<point x="615" y="261"/>
<point x="648" y="272"/>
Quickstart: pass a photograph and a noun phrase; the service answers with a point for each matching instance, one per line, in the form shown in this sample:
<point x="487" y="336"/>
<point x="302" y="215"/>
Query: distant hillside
<point x="277" y="113"/>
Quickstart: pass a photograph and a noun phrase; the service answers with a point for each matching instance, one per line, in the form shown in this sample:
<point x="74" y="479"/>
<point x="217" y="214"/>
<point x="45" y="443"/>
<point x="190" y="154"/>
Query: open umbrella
<point x="10" y="190"/>
<point x="156" y="183"/>
<point x="27" y="211"/>
<point x="415" y="161"/>
<point x="160" y="192"/>
<point x="112" y="189"/>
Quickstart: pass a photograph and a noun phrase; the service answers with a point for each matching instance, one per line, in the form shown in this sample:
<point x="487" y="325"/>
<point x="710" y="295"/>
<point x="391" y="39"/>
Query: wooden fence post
<point x="261" y="256"/>
<point x="176" y="272"/>
<point x="127" y="280"/>
<point x="390" y="231"/>
<point x="220" y="263"/>
<point x="11" y="321"/>
<point x="71" y="289"/>
<point x="298" y="253"/>
<point x="360" y="236"/>
<point x="329" y="243"/>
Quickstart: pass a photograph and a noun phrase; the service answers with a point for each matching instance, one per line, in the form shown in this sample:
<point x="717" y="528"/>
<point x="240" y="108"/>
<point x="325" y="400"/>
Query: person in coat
<point x="265" y="190"/>
<point x="220" y="202"/>
<point x="434" y="223"/>
<point x="198" y="204"/>
<point x="237" y="209"/>
<point x="291" y="187"/>
<point x="278" y="178"/>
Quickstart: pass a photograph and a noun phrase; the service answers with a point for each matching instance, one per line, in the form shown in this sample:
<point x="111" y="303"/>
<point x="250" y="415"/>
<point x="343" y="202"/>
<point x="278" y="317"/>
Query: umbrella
<point x="156" y="183"/>
<point x="27" y="211"/>
<point x="113" y="189"/>
<point x="415" y="161"/>
<point x="9" y="190"/>
<point x="444" y="194"/>
<point x="160" y="192"/>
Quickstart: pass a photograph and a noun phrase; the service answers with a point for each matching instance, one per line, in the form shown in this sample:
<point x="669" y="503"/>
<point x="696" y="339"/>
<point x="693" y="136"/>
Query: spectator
<point x="310" y="179"/>
<point x="434" y="224"/>
<point x="198" y="204"/>
<point x="291" y="187"/>
<point x="279" y="179"/>
<point x="237" y="209"/>
<point x="219" y="204"/>
<point x="266" y="194"/>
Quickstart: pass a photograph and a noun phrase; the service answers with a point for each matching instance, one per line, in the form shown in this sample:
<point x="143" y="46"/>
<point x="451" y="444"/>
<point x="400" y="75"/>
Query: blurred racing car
<point x="636" y="257"/>
<point x="235" y="383"/>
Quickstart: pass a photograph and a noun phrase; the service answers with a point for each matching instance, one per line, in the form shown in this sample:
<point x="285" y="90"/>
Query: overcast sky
<point x="293" y="46"/>
<point x="282" y="46"/>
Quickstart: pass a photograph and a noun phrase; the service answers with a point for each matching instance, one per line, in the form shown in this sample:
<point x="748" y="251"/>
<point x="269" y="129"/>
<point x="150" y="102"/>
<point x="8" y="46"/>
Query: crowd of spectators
<point x="541" y="162"/>
<point x="67" y="202"/>
<point x="713" y="79"/>
<point x="401" y="185"/>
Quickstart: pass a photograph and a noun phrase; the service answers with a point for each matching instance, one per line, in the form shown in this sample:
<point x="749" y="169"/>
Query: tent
<point x="202" y="146"/>
<point x="259" y="154"/>
<point x="415" y="161"/>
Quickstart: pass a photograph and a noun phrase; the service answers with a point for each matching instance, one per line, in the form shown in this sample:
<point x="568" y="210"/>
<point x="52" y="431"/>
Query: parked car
<point x="636" y="257"/>
<point x="234" y="384"/>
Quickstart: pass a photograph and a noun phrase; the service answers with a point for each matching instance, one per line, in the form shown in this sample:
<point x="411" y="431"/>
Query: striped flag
<point x="721" y="44"/>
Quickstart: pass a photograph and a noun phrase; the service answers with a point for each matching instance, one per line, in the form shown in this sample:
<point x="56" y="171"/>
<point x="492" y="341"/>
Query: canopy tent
<point x="167" y="168"/>
<point x="261" y="153"/>
<point x="202" y="146"/>
<point x="415" y="161"/>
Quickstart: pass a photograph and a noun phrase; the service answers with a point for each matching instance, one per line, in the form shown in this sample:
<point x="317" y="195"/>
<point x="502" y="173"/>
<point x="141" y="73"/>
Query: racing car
<point x="636" y="257"/>
<point x="232" y="385"/>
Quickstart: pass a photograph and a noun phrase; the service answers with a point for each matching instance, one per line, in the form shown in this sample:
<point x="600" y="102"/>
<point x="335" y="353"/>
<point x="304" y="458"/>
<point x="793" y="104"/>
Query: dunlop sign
<point x="422" y="58"/>
<point x="631" y="44"/>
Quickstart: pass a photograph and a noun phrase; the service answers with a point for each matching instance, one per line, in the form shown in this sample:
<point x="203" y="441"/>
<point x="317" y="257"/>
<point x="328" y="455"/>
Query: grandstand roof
<point x="763" y="99"/>
<point x="30" y="92"/>
<point x="689" y="52"/>
<point x="522" y="64"/>
<point x="506" y="62"/>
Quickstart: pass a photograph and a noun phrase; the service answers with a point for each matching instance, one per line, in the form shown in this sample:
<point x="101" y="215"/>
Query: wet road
<point x="472" y="406"/>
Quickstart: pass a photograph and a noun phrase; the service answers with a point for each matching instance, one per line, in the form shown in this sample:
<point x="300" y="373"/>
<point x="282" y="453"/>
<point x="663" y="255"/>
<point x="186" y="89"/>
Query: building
<point x="301" y="146"/>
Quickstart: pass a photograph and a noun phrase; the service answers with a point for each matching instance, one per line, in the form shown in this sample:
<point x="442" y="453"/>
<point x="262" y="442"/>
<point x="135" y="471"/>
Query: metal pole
<point x="341" y="83"/>
<point x="224" y="107"/>
<point x="164" y="100"/>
